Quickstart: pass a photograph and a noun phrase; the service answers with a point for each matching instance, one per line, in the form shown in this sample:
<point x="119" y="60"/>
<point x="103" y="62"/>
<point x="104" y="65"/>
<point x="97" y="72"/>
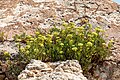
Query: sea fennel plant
<point x="83" y="43"/>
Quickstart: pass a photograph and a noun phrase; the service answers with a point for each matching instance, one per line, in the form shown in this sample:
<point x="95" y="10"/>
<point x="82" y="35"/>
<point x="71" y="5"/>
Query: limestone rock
<point x="61" y="70"/>
<point x="18" y="16"/>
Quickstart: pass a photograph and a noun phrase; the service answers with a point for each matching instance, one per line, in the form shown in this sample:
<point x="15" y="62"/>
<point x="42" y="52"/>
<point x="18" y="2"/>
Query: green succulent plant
<point x="83" y="43"/>
<point x="2" y="36"/>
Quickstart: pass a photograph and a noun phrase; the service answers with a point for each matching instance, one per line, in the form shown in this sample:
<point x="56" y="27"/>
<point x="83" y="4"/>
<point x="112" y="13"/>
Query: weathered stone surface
<point x="65" y="70"/>
<point x="2" y="77"/>
<point x="3" y="69"/>
<point x="18" y="16"/>
<point x="25" y="15"/>
<point x="9" y="47"/>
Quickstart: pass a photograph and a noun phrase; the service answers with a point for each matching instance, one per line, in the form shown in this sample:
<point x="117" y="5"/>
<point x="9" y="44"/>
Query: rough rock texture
<point x="9" y="47"/>
<point x="65" y="70"/>
<point x="18" y="16"/>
